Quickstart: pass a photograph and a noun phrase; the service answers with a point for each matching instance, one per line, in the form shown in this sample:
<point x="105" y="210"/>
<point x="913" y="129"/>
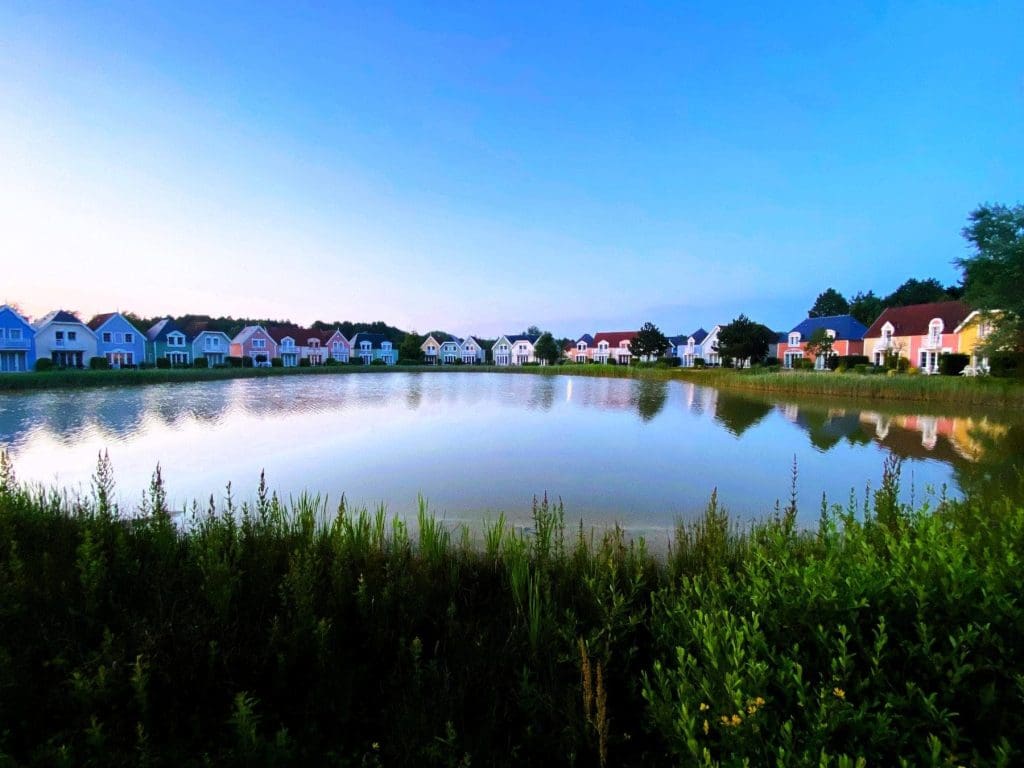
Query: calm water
<point x="641" y="453"/>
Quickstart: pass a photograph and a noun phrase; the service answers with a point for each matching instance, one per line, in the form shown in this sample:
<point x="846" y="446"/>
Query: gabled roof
<point x="586" y="338"/>
<point x="678" y="340"/>
<point x="57" y="316"/>
<point x="375" y="339"/>
<point x="530" y="337"/>
<point x="698" y="336"/>
<point x="614" y="338"/>
<point x="330" y="333"/>
<point x="243" y="335"/>
<point x="281" y="332"/>
<point x="99" y="320"/>
<point x="846" y="327"/>
<point x="16" y="314"/>
<point x="197" y="328"/>
<point x="913" y="320"/>
<point x="162" y="328"/>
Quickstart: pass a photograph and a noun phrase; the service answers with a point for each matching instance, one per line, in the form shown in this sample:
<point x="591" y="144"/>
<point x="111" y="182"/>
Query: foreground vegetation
<point x="277" y="634"/>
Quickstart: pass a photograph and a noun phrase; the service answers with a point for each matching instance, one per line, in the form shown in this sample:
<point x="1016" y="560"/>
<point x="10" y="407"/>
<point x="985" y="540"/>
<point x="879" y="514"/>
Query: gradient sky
<point x="580" y="167"/>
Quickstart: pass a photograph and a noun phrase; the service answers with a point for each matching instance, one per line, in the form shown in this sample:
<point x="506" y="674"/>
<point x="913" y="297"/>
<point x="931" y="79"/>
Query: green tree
<point x="994" y="273"/>
<point x="650" y="342"/>
<point x="820" y="344"/>
<point x="915" y="291"/>
<point x="546" y="349"/>
<point x="830" y="302"/>
<point x="533" y="330"/>
<point x="743" y="339"/>
<point x="866" y="307"/>
<point x="409" y="349"/>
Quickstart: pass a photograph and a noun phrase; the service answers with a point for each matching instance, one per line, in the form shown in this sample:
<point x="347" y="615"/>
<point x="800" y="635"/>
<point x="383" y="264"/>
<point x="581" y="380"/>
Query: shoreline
<point x="983" y="392"/>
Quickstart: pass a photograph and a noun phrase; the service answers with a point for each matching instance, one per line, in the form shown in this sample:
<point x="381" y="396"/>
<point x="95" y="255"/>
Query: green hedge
<point x="1007" y="365"/>
<point x="44" y="364"/>
<point x="953" y="364"/>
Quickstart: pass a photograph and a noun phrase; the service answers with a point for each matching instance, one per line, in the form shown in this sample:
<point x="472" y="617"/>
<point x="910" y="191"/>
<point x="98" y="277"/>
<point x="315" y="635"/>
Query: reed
<point x="297" y="632"/>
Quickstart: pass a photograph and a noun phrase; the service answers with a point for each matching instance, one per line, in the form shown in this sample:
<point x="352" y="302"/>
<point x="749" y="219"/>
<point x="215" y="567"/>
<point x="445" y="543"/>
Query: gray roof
<point x="58" y="316"/>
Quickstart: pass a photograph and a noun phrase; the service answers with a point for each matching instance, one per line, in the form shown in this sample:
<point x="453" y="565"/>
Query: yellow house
<point x="972" y="334"/>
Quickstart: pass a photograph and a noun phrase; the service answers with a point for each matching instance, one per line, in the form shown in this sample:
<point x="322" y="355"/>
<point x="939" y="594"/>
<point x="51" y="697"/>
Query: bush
<point x="277" y="362"/>
<point x="377" y="361"/>
<point x="163" y="363"/>
<point x="235" y="362"/>
<point x="862" y="368"/>
<point x="247" y="362"/>
<point x="200" y="362"/>
<point x="99" y="364"/>
<point x="1007" y="365"/>
<point x="304" y="362"/>
<point x="44" y="364"/>
<point x="803" y="364"/>
<point x="329" y="361"/>
<point x="772" y="360"/>
<point x="699" y="362"/>
<point x="669" y="362"/>
<point x="953" y="364"/>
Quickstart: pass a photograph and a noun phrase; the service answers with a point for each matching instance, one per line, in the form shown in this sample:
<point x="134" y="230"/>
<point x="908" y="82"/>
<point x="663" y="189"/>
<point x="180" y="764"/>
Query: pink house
<point x="336" y="345"/>
<point x="921" y="333"/>
<point x="254" y="342"/>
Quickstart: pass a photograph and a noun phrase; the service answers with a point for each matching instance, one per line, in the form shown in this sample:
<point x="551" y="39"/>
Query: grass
<point x="297" y="633"/>
<point x="981" y="392"/>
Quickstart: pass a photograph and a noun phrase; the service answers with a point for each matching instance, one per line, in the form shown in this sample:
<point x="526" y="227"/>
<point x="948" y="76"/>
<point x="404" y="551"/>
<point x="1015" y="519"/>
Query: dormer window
<point x="935" y="332"/>
<point x="794" y="339"/>
<point x="830" y="333"/>
<point x="887" y="331"/>
<point x="984" y="328"/>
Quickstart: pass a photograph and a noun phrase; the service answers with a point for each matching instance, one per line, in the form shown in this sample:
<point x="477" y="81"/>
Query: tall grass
<point x="297" y="633"/>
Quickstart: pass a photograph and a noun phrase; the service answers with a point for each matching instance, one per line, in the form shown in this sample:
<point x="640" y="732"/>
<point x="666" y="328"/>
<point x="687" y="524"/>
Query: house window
<point x="129" y="337"/>
<point x="984" y="328"/>
<point x="259" y="343"/>
<point x="72" y="335"/>
<point x="14" y="334"/>
<point x="59" y="335"/>
<point x="794" y="339"/>
<point x="107" y="337"/>
<point x="935" y="332"/>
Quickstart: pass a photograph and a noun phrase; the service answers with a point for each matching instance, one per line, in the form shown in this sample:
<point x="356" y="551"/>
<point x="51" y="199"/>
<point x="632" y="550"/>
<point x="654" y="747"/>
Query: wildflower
<point x="736" y="720"/>
<point x="759" y="701"/>
<point x="725" y="720"/>
<point x="704" y="707"/>
<point x="375" y="746"/>
<point x="839" y="693"/>
<point x="706" y="727"/>
<point x="751" y="709"/>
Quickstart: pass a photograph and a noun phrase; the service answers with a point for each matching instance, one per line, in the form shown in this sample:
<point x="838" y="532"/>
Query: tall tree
<point x="994" y="273"/>
<point x="533" y="330"/>
<point x="650" y="342"/>
<point x="830" y="302"/>
<point x="743" y="339"/>
<point x="546" y="349"/>
<point x="409" y="349"/>
<point x="866" y="307"/>
<point x="820" y="344"/>
<point x="915" y="291"/>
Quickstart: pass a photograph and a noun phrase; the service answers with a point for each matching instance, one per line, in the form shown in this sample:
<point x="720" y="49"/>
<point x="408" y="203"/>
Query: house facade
<point x="972" y="334"/>
<point x="709" y="348"/>
<point x="373" y="346"/>
<point x="691" y="349"/>
<point x="921" y="333"/>
<point x="166" y="340"/>
<point x="582" y="350"/>
<point x="613" y="346"/>
<point x="337" y="346"/>
<point x="121" y="343"/>
<point x="846" y="332"/>
<point x="514" y="349"/>
<point x="473" y="352"/>
<point x="431" y="348"/>
<point x="17" y="342"/>
<point x="255" y="343"/>
<point x="65" y="340"/>
<point x="215" y="346"/>
<point x="450" y="351"/>
<point x="289" y="343"/>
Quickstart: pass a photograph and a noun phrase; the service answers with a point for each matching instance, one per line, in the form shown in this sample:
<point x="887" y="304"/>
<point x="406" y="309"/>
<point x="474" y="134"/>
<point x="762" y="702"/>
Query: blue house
<point x="373" y="346"/>
<point x="167" y="340"/>
<point x="120" y="342"/>
<point x="845" y="331"/>
<point x="17" y="342"/>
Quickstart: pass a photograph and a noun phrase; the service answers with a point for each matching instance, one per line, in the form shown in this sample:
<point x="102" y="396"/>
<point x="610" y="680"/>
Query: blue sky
<point x="480" y="169"/>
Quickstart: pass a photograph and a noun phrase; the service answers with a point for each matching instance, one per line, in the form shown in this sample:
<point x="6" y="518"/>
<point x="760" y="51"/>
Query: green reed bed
<point x="299" y="633"/>
<point x="981" y="391"/>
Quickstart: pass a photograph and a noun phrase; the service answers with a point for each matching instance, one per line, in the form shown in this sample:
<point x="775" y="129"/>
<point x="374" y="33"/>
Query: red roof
<point x="913" y="320"/>
<point x="614" y="338"/>
<point x="300" y="336"/>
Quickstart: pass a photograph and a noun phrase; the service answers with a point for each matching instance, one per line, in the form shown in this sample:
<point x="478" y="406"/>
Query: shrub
<point x="902" y="365"/>
<point x="669" y="362"/>
<point x="1007" y="365"/>
<point x="377" y="361"/>
<point x="304" y="362"/>
<point x="771" y="360"/>
<point x="699" y="362"/>
<point x="163" y="363"/>
<point x="803" y="364"/>
<point x="235" y="362"/>
<point x="862" y="368"/>
<point x="277" y="362"/>
<point x="99" y="364"/>
<point x="329" y="361"/>
<point x="247" y="362"/>
<point x="953" y="364"/>
<point x="44" y="364"/>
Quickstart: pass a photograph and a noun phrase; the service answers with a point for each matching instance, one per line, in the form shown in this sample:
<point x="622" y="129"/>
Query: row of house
<point x="921" y="333"/>
<point x="70" y="343"/>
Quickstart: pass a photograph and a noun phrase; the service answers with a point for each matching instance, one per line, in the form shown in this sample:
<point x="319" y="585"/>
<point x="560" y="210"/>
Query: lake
<point x="642" y="453"/>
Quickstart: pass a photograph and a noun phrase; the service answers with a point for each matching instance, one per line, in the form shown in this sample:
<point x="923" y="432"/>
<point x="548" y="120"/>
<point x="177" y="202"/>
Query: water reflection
<point x="607" y="446"/>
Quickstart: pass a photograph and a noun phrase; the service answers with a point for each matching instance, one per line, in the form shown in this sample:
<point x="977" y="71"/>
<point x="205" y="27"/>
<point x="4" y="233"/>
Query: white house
<point x="514" y="349"/>
<point x="64" y="339"/>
